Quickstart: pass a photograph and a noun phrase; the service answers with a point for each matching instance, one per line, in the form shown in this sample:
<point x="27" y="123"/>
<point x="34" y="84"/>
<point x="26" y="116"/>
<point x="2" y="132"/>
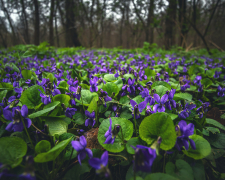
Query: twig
<point x="216" y="46"/>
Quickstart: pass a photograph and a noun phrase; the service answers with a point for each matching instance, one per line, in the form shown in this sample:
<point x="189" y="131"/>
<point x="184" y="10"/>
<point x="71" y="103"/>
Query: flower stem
<point x="135" y="124"/>
<point x="27" y="133"/>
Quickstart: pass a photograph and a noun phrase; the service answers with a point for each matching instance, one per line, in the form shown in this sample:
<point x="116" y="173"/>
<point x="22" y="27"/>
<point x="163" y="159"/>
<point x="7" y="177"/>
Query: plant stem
<point x="118" y="156"/>
<point x="27" y="132"/>
<point x="135" y="123"/>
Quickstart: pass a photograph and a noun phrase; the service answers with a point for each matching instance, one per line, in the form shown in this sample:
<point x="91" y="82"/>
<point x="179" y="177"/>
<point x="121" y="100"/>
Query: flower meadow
<point x="72" y="113"/>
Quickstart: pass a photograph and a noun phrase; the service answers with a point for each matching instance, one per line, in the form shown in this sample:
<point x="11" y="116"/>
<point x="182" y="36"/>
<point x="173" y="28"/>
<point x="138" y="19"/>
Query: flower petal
<point x="95" y="163"/>
<point x="83" y="141"/>
<point x="77" y="145"/>
<point x="133" y="103"/>
<point x="7" y="115"/>
<point x="164" y="98"/>
<point x="24" y="111"/>
<point x="157" y="98"/>
<point x="89" y="152"/>
<point x="142" y="105"/>
<point x="104" y="158"/>
<point x="28" y="122"/>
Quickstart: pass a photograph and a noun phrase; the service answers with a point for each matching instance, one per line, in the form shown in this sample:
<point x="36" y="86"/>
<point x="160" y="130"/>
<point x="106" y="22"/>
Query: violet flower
<point x="93" y="83"/>
<point x="160" y="107"/>
<point x="91" y="118"/>
<point x="221" y="91"/>
<point x="80" y="147"/>
<point x="110" y="134"/>
<point x="15" y="116"/>
<point x="105" y="96"/>
<point x="70" y="112"/>
<point x="143" y="158"/>
<point x="137" y="108"/>
<point x="184" y="131"/>
<point x="19" y="91"/>
<point x="100" y="164"/>
<point x="45" y="98"/>
<point x="187" y="111"/>
<point x="170" y="100"/>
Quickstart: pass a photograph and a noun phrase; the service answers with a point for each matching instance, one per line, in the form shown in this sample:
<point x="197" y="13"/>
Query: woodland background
<point x="191" y="24"/>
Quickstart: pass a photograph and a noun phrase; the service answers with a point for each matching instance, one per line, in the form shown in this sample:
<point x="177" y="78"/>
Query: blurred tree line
<point x="112" y="23"/>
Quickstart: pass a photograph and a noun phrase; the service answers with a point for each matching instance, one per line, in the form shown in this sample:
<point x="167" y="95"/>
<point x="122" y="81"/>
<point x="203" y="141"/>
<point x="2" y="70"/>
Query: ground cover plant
<point x="72" y="113"/>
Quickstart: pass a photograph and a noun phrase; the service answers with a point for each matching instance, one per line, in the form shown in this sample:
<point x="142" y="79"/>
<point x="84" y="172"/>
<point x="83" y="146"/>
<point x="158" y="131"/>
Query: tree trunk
<point x="170" y="24"/>
<point x="26" y="31"/>
<point x="10" y="23"/>
<point x="56" y="31"/>
<point x="51" y="29"/>
<point x="194" y="20"/>
<point x="36" y="24"/>
<point x="182" y="20"/>
<point x="70" y="25"/>
<point x="149" y="21"/>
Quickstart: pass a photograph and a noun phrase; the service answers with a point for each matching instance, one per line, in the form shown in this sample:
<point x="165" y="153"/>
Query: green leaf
<point x="149" y="73"/>
<point x="26" y="74"/>
<point x="79" y="118"/>
<point x="51" y="77"/>
<point x="159" y="176"/>
<point x="206" y="82"/>
<point x="215" y="123"/>
<point x="182" y="170"/>
<point x="202" y="150"/>
<point x="86" y="96"/>
<point x="93" y="106"/>
<point x="53" y="153"/>
<point x="130" y="173"/>
<point x="56" y="126"/>
<point x="133" y="142"/>
<point x="63" y="98"/>
<point x="198" y="170"/>
<point x="6" y="86"/>
<point x="217" y="140"/>
<point x="213" y="130"/>
<point x="31" y="97"/>
<point x="173" y="116"/>
<point x="138" y="99"/>
<point x="125" y="113"/>
<point x="42" y="146"/>
<point x="127" y="131"/>
<point x="124" y="100"/>
<point x="127" y="76"/>
<point x="119" y="83"/>
<point x="3" y="94"/>
<point x="158" y="124"/>
<point x="182" y="96"/>
<point x="63" y="85"/>
<point x="161" y="87"/>
<point x="13" y="66"/>
<point x="12" y="150"/>
<point x="222" y="116"/>
<point x="49" y="107"/>
<point x="111" y="88"/>
<point x="109" y="77"/>
<point x="76" y="171"/>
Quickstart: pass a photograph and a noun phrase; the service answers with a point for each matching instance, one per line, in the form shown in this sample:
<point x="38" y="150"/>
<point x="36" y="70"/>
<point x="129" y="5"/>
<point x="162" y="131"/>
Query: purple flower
<point x="93" y="83"/>
<point x="144" y="93"/>
<point x="70" y="112"/>
<point x="55" y="92"/>
<point x="160" y="107"/>
<point x="137" y="108"/>
<point x="217" y="74"/>
<point x="117" y="74"/>
<point x="80" y="147"/>
<point x="11" y="99"/>
<point x="170" y="100"/>
<point x="184" y="87"/>
<point x="187" y="111"/>
<point x="105" y="96"/>
<point x="45" y="98"/>
<point x="19" y="91"/>
<point x="143" y="158"/>
<point x="15" y="116"/>
<point x="221" y="91"/>
<point x="91" y="118"/>
<point x="111" y="135"/>
<point x="100" y="164"/>
<point x="184" y="131"/>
